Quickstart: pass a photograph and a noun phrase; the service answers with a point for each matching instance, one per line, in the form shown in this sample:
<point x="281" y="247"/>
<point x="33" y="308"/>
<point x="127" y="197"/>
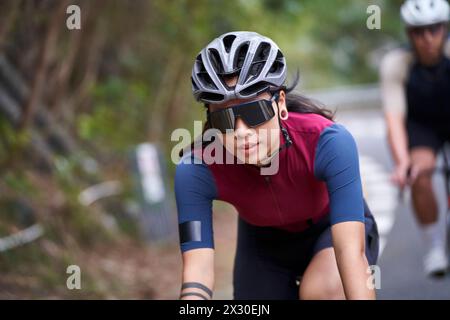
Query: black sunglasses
<point x="253" y="113"/>
<point x="433" y="29"/>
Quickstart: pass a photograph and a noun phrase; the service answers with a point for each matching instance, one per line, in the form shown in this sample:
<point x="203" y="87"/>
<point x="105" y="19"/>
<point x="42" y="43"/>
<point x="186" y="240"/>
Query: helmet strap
<point x="286" y="136"/>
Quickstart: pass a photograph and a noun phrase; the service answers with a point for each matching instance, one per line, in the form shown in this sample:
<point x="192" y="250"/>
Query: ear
<point x="282" y="99"/>
<point x="282" y="109"/>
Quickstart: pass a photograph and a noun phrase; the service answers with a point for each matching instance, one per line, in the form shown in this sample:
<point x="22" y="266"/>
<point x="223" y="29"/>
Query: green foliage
<point x="18" y="182"/>
<point x="11" y="140"/>
<point x="119" y="115"/>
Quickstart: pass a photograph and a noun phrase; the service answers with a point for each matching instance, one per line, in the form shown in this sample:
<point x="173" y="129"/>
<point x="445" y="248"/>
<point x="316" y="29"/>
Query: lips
<point x="248" y="146"/>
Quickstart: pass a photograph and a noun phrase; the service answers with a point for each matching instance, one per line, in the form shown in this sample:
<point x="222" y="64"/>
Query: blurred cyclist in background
<point x="415" y="84"/>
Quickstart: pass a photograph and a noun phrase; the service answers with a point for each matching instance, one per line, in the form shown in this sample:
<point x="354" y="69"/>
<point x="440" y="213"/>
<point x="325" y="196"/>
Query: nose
<point x="241" y="130"/>
<point x="428" y="35"/>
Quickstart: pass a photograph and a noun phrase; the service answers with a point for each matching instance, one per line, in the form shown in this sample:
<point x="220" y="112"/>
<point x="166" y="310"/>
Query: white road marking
<point x="380" y="194"/>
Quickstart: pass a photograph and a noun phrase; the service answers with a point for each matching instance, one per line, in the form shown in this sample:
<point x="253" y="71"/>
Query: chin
<point x="430" y="57"/>
<point x="249" y="160"/>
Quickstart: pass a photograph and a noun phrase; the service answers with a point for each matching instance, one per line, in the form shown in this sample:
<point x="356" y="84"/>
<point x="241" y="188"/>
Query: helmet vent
<point x="206" y="80"/>
<point x="228" y="42"/>
<point x="211" y="96"/>
<point x="263" y="51"/>
<point x="216" y="61"/>
<point x="194" y="86"/>
<point x="199" y="63"/>
<point x="257" y="88"/>
<point x="261" y="56"/>
<point x="240" y="56"/>
<point x="278" y="64"/>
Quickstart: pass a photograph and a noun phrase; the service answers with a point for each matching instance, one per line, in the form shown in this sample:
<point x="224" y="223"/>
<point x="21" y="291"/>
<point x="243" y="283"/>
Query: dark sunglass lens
<point x="435" y="28"/>
<point x="222" y="120"/>
<point x="257" y="113"/>
<point x="417" y="31"/>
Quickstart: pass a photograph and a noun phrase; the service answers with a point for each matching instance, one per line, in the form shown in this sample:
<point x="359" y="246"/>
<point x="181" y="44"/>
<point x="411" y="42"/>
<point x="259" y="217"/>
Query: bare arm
<point x="398" y="143"/>
<point x="393" y="73"/>
<point x="349" y="244"/>
<point x="198" y="268"/>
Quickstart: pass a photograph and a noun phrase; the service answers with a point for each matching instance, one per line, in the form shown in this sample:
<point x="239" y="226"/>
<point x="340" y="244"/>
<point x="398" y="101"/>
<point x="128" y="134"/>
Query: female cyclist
<point x="304" y="230"/>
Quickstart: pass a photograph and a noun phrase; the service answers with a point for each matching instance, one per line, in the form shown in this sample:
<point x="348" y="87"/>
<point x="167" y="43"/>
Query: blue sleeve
<point x="195" y="190"/>
<point x="337" y="163"/>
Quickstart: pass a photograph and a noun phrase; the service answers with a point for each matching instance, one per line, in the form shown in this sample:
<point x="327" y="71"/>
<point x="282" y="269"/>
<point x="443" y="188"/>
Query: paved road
<point x="402" y="250"/>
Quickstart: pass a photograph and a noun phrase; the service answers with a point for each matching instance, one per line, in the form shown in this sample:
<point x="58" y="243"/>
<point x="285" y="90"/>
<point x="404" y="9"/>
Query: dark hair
<point x="295" y="102"/>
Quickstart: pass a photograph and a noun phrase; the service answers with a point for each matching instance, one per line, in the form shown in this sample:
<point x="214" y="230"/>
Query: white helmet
<point x="424" y="12"/>
<point x="256" y="59"/>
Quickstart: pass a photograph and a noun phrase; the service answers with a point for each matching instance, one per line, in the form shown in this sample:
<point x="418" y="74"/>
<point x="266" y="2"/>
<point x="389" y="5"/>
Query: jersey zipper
<point x="280" y="216"/>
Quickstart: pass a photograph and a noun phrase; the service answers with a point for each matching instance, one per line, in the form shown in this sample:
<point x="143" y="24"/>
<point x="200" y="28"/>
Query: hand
<point x="404" y="174"/>
<point x="399" y="175"/>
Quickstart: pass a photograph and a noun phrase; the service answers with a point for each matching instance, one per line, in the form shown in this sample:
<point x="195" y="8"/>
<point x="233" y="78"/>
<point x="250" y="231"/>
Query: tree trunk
<point x="164" y="95"/>
<point x="45" y="55"/>
<point x="6" y="23"/>
<point x="62" y="75"/>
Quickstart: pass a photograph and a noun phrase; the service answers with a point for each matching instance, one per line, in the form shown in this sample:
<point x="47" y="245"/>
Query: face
<point x="252" y="145"/>
<point x="428" y="42"/>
